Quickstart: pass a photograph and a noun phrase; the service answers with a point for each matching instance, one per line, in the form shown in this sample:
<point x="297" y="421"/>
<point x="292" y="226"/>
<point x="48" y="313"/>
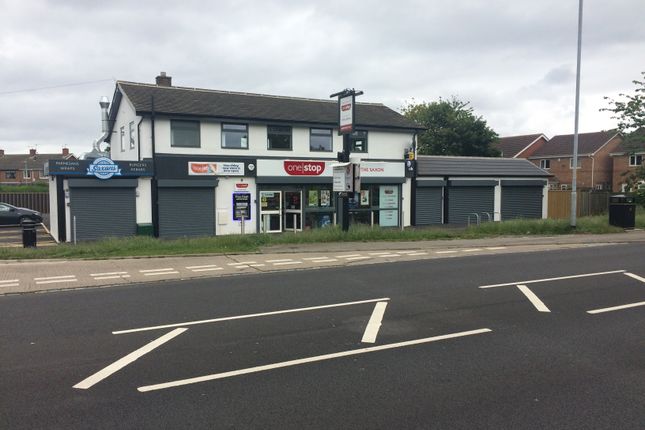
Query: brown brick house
<point x="520" y="146"/>
<point x="18" y="169"/>
<point x="625" y="161"/>
<point x="595" y="166"/>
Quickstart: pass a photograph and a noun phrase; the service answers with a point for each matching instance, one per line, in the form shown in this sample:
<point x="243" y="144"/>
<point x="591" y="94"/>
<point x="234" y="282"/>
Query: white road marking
<point x="10" y="285"/>
<point x="315" y="258"/>
<point x="201" y="267"/>
<point x="309" y="360"/>
<point x="261" y="314"/>
<point x="347" y="256"/>
<point x="539" y="305"/>
<point x="278" y="261"/>
<point x="407" y="252"/>
<point x="156" y="270"/>
<point x="374" y="324"/>
<point x="358" y="258"/>
<point x="495" y="248"/>
<point x="329" y="260"/>
<point x="242" y="266"/>
<point x="287" y="262"/>
<point x="379" y="253"/>
<point x="257" y="265"/>
<point x="108" y="273"/>
<point x="9" y="281"/>
<point x="56" y="281"/>
<point x="616" y="308"/>
<point x="173" y="272"/>
<point x="585" y="275"/>
<point x="54" y="277"/>
<point x="445" y="252"/>
<point x="100" y="278"/>
<point x="242" y="263"/>
<point x="418" y="253"/>
<point x="471" y="250"/>
<point x="631" y="275"/>
<point x="122" y="362"/>
<point x="388" y="255"/>
<point x="208" y="269"/>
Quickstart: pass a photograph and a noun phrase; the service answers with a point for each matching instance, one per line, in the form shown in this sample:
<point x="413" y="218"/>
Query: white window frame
<point x="579" y="163"/>
<point x="132" y="135"/>
<point x="26" y="174"/>
<point x="633" y="160"/>
<point x="122" y="138"/>
<point x="564" y="187"/>
<point x="545" y="164"/>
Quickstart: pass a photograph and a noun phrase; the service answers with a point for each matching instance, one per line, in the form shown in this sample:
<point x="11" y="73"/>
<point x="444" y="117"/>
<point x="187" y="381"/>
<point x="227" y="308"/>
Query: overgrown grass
<point x="147" y="246"/>
<point x="31" y="188"/>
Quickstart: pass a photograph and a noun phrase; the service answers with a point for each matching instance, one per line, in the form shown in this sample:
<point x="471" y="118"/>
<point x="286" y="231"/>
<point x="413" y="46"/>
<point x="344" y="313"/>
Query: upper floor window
<point x="358" y="141"/>
<point x="132" y="135"/>
<point x="122" y="139"/>
<point x="545" y="164"/>
<point x="10" y="174"/>
<point x="235" y="136"/>
<point x="320" y="139"/>
<point x="579" y="164"/>
<point x="184" y="134"/>
<point x="635" y="160"/>
<point x="279" y="137"/>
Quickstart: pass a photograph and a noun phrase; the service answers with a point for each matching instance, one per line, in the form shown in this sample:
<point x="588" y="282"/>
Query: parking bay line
<point x="261" y="314"/>
<point x="584" y="275"/>
<point x="156" y="270"/>
<point x="100" y="278"/>
<point x="374" y="324"/>
<point x="172" y="272"/>
<point x="201" y="267"/>
<point x="539" y="304"/>
<point x="17" y="284"/>
<point x="54" y="277"/>
<point x="284" y="263"/>
<point x="616" y="308"/>
<point x="124" y="361"/>
<point x="631" y="275"/>
<point x="9" y="281"/>
<point x="56" y="281"/>
<point x="108" y="274"/>
<point x="308" y="360"/>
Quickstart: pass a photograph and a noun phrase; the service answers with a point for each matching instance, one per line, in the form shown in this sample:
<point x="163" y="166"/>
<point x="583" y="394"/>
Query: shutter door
<point x="463" y="201"/>
<point x="103" y="212"/>
<point x="521" y="202"/>
<point x="429" y="205"/>
<point x="186" y="212"/>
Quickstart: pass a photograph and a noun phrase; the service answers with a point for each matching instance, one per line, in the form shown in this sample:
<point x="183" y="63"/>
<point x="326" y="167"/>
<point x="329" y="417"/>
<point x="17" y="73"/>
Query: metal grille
<point x="463" y="201"/>
<point x="186" y="212"/>
<point x="521" y="202"/>
<point x="103" y="212"/>
<point x="429" y="206"/>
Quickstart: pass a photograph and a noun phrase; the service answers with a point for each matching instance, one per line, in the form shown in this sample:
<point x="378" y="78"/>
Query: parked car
<point x="11" y="215"/>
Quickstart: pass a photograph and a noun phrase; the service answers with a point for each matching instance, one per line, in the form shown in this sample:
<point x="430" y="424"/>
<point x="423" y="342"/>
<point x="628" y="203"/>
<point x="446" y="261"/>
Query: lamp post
<point x="574" y="163"/>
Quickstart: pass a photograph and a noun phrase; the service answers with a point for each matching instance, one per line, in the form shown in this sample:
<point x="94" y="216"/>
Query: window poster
<point x="389" y="218"/>
<point x="365" y="198"/>
<point x="312" y="200"/>
<point x="325" y="198"/>
<point x="389" y="196"/>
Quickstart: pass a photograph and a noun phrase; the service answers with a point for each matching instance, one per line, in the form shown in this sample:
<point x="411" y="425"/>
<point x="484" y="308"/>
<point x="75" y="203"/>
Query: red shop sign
<point x="304" y="168"/>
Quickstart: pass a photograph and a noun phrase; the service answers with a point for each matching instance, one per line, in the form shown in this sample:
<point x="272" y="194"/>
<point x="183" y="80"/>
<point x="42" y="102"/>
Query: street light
<point x="574" y="164"/>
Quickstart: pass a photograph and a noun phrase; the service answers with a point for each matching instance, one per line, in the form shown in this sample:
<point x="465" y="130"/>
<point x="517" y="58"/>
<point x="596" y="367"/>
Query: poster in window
<point x="389" y="218"/>
<point x="325" y="198"/>
<point x="365" y="198"/>
<point x="388" y="196"/>
<point x="312" y="200"/>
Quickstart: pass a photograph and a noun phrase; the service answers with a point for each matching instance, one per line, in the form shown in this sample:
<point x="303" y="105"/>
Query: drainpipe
<point x="593" y="168"/>
<point x="154" y="183"/>
<point x="139" y="137"/>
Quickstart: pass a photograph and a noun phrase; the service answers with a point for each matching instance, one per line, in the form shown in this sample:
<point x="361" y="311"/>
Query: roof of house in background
<point x="562" y="145"/>
<point x="512" y="146"/>
<point x="245" y="106"/>
<point x="440" y="165"/>
<point x="31" y="162"/>
<point x="629" y="146"/>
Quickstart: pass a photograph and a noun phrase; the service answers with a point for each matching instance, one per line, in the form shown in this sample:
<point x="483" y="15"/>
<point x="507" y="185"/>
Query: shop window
<point x="279" y="137"/>
<point x="184" y="134"/>
<point x="545" y="164"/>
<point x="235" y="136"/>
<point x="132" y="135"/>
<point x="319" y="207"/>
<point x="358" y="141"/>
<point x="377" y="204"/>
<point x="635" y="160"/>
<point x="10" y="174"/>
<point x="320" y="139"/>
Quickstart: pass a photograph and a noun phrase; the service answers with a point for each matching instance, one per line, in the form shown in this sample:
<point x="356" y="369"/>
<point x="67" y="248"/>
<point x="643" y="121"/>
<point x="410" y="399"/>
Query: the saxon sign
<point x="304" y="168"/>
<point x="198" y="168"/>
<point x="103" y="168"/>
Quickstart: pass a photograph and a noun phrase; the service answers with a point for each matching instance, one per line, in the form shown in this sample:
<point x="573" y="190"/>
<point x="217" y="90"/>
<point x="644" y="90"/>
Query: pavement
<point x="30" y="276"/>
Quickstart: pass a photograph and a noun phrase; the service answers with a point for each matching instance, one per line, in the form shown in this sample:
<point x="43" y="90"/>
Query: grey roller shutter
<point x="103" y="212"/>
<point x="429" y="206"/>
<point x="186" y="212"/>
<point x="521" y="202"/>
<point x="463" y="201"/>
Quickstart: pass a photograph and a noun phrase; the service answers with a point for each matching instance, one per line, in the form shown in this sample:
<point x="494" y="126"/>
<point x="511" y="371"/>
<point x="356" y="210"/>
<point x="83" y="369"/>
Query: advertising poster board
<point x="241" y="206"/>
<point x="388" y="205"/>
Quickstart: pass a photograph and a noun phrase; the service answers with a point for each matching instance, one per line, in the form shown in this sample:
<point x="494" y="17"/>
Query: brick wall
<point x="36" y="176"/>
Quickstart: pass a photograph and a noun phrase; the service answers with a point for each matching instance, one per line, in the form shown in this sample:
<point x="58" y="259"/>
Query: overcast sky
<point x="514" y="60"/>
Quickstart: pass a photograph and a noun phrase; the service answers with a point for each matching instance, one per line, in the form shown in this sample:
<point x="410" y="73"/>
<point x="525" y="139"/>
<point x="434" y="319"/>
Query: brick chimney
<point x="65" y="152"/>
<point x="32" y="152"/>
<point x="163" y="80"/>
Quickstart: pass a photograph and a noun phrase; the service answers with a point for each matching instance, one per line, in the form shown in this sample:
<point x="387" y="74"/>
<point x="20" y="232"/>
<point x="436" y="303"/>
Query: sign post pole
<point x="346" y="117"/>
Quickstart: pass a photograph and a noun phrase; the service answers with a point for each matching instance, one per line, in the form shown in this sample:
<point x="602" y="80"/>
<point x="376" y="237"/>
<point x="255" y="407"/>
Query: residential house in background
<point x="625" y="161"/>
<point x="520" y="146"/>
<point x="595" y="166"/>
<point x="16" y="169"/>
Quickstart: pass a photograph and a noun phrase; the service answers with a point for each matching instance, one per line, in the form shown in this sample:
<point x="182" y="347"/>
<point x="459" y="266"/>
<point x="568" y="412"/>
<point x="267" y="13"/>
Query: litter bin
<point x="29" y="234"/>
<point x="622" y="211"/>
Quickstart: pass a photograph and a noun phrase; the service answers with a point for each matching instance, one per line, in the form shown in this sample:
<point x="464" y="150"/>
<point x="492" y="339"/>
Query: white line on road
<point x="54" y="277"/>
<point x="287" y="262"/>
<point x="585" y="275"/>
<point x="347" y="256"/>
<point x="407" y="252"/>
<point x="278" y="261"/>
<point x="308" y="360"/>
<point x="201" y="267"/>
<point x="418" y="253"/>
<point x="495" y="248"/>
<point x="10" y="285"/>
<point x="56" y="281"/>
<point x="374" y="324"/>
<point x="471" y="250"/>
<point x="315" y="258"/>
<point x="358" y="258"/>
<point x="242" y="263"/>
<point x="539" y="304"/>
<point x="638" y="278"/>
<point x="329" y="260"/>
<point x="379" y="253"/>
<point x="100" y="278"/>
<point x="257" y="265"/>
<point x="616" y="308"/>
<point x="9" y="281"/>
<point x="208" y="269"/>
<point x="173" y="272"/>
<point x="156" y="270"/>
<point x="445" y="252"/>
<point x="122" y="362"/>
<point x="262" y="314"/>
<point x="108" y="273"/>
<point x="388" y="255"/>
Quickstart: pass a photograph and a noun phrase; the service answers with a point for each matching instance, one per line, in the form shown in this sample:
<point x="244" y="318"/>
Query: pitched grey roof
<point x="510" y="146"/>
<point x="435" y="165"/>
<point x="245" y="106"/>
<point x="588" y="143"/>
<point x="17" y="161"/>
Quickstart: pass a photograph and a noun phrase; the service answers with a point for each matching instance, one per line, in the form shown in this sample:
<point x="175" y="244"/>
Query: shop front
<point x="296" y="195"/>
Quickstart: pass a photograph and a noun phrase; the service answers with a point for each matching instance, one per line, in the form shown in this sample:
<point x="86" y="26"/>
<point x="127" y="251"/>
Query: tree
<point x="452" y="129"/>
<point x="629" y="111"/>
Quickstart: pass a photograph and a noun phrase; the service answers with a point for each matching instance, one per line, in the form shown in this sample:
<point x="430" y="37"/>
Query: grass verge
<point x="146" y="246"/>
